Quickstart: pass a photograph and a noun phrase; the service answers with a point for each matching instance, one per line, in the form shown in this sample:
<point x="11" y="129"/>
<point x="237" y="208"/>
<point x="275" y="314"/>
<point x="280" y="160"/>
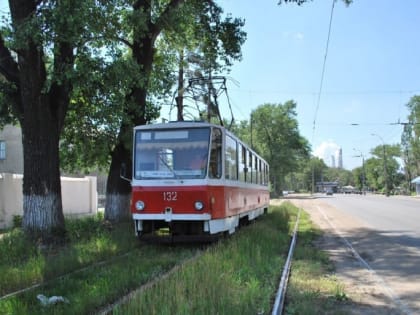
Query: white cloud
<point x="327" y="149"/>
<point x="298" y="36"/>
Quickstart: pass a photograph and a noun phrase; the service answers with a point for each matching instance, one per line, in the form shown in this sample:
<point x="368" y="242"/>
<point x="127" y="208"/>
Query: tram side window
<point x="257" y="175"/>
<point x="215" y="170"/>
<point x="231" y="165"/>
<point x="249" y="168"/>
<point x="266" y="175"/>
<point x="242" y="163"/>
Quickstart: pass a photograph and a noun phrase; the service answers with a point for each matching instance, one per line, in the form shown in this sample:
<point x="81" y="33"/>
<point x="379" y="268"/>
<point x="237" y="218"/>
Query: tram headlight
<point x="198" y="205"/>
<point x="139" y="205"/>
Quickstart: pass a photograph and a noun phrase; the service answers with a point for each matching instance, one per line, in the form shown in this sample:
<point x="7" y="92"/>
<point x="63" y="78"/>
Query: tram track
<point x="124" y="299"/>
<point x="98" y="264"/>
<point x="281" y="292"/>
<point x="40" y="284"/>
<point x="155" y="278"/>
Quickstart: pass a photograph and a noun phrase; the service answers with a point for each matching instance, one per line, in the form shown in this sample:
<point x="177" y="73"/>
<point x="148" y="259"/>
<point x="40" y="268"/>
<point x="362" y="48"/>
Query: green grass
<point x="98" y="266"/>
<point x="312" y="288"/>
<point x="237" y="276"/>
<point x="102" y="263"/>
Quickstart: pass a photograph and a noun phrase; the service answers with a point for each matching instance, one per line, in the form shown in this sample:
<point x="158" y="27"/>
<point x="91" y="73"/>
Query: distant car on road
<point x="348" y="189"/>
<point x="329" y="192"/>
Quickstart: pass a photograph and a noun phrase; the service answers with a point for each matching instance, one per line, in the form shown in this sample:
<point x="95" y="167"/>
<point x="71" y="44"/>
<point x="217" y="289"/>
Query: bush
<point x="17" y="221"/>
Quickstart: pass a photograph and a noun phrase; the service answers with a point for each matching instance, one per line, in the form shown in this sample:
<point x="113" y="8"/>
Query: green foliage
<point x="410" y="141"/>
<point x="15" y="248"/>
<point x="17" y="221"/>
<point x="277" y="139"/>
<point x="343" y="176"/>
<point x="201" y="42"/>
<point x="313" y="170"/>
<point x="382" y="170"/>
<point x="273" y="133"/>
<point x="111" y="82"/>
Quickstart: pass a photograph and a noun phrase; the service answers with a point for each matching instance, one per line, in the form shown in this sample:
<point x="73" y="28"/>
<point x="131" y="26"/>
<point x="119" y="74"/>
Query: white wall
<point x="79" y="197"/>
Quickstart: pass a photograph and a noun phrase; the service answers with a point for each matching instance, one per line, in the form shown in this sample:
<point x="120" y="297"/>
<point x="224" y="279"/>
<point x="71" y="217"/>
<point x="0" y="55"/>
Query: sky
<point x="372" y="69"/>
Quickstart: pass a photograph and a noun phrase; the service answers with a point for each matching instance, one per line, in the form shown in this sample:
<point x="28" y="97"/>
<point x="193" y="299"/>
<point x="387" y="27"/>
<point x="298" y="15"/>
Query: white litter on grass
<point x="51" y="300"/>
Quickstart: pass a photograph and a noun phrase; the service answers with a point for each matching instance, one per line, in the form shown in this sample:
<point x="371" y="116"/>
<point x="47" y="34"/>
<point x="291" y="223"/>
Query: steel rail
<point x="281" y="292"/>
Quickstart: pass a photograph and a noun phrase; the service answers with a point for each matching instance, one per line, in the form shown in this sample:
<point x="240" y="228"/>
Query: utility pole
<point x="363" y="170"/>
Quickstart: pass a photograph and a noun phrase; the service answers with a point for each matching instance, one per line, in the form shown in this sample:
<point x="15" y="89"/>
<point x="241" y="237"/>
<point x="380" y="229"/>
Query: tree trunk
<point x="118" y="190"/>
<point x="41" y="113"/>
<point x="180" y="97"/>
<point x="42" y="206"/>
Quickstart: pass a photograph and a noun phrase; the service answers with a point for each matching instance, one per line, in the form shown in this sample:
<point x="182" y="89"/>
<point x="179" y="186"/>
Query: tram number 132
<point x="170" y="195"/>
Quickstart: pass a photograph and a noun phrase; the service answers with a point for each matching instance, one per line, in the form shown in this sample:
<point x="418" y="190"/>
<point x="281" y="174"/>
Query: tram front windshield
<point x="175" y="153"/>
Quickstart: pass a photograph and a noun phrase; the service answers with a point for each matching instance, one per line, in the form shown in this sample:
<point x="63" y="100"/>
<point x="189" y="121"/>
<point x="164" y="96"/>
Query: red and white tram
<point x="194" y="179"/>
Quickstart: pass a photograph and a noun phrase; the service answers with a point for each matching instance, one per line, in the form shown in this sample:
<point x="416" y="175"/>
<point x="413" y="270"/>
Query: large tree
<point x="383" y="168"/>
<point x="276" y="136"/>
<point x="202" y="45"/>
<point x="38" y="53"/>
<point x="140" y="72"/>
<point x="156" y="18"/>
<point x="410" y="140"/>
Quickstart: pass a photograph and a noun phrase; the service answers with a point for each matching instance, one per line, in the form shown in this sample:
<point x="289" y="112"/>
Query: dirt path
<point x="367" y="293"/>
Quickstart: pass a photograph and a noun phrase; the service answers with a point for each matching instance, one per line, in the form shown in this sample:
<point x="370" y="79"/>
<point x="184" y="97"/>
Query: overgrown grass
<point x="312" y="288"/>
<point x="241" y="275"/>
<point x="100" y="264"/>
<point x="238" y="275"/>
<point x="23" y="262"/>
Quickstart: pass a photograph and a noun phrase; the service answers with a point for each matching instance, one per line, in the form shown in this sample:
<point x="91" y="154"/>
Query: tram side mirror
<point x="123" y="172"/>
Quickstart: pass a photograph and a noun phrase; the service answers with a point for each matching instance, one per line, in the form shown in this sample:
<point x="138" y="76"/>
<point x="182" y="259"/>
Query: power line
<point x="323" y="71"/>
<point x="344" y="92"/>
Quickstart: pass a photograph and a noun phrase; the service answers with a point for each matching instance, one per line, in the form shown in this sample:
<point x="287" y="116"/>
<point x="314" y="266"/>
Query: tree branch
<point x="61" y="90"/>
<point x="160" y="23"/>
<point x="8" y="67"/>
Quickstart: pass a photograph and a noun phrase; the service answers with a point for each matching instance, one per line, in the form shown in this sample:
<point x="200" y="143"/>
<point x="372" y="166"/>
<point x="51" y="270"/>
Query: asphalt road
<point x="397" y="214"/>
<point x="387" y="237"/>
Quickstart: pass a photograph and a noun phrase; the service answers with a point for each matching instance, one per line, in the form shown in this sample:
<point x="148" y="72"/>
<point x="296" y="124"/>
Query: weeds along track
<point x="132" y="254"/>
<point x="40" y="284"/>
<point x="240" y="274"/>
<point x="124" y="299"/>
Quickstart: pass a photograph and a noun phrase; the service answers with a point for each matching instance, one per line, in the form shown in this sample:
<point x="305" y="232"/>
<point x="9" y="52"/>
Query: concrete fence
<point x="79" y="197"/>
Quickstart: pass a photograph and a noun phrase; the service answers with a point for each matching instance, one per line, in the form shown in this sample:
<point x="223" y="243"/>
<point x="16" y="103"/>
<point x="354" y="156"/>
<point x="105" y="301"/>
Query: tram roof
<point x="177" y="124"/>
<point x="189" y="124"/>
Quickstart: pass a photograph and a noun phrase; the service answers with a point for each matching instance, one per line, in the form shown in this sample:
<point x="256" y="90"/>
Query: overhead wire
<point x="323" y="72"/>
<point x="320" y="90"/>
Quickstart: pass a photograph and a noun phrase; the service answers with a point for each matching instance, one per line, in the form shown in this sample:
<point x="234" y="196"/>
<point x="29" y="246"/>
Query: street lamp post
<point x="363" y="170"/>
<point x="385" y="170"/>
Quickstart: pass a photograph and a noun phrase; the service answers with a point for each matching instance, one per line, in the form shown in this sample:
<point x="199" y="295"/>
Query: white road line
<point x="394" y="297"/>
